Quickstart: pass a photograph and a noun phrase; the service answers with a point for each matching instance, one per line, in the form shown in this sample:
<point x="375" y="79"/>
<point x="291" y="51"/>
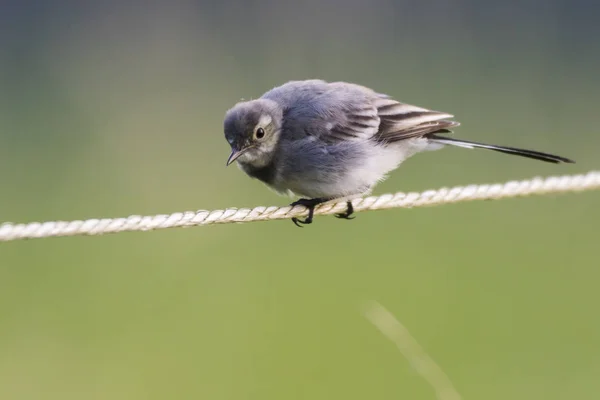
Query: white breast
<point x="381" y="161"/>
<point x="363" y="174"/>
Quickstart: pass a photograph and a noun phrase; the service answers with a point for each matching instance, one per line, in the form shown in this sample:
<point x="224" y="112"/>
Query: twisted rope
<point x="528" y="187"/>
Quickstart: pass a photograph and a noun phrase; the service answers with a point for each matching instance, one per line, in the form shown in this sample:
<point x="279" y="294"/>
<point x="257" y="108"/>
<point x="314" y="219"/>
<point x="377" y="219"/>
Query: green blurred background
<point x="115" y="108"/>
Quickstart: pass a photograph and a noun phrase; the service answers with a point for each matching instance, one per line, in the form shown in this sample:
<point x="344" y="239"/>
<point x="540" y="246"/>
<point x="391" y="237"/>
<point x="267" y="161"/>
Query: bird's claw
<point x="348" y="213"/>
<point x="297" y="221"/>
<point x="310" y="204"/>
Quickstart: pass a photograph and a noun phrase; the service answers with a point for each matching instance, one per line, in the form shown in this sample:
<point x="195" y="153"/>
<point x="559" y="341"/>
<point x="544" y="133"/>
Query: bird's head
<point x="252" y="130"/>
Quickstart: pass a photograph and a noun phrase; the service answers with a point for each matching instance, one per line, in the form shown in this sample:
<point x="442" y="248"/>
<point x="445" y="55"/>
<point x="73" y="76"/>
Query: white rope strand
<point x="528" y="187"/>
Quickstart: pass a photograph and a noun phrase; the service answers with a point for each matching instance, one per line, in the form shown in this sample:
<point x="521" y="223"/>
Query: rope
<point x="534" y="186"/>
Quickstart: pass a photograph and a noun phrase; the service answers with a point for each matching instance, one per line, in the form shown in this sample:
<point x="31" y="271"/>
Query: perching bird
<point x="331" y="141"/>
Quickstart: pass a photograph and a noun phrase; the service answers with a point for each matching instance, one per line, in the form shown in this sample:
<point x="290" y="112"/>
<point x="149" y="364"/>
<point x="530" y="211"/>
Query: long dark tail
<point x="536" y="155"/>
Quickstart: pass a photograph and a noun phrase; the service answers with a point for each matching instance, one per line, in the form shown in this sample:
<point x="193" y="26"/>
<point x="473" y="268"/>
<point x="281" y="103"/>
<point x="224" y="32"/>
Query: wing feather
<point x="353" y="124"/>
<point x="340" y="111"/>
<point x="388" y="121"/>
<point x="401" y="121"/>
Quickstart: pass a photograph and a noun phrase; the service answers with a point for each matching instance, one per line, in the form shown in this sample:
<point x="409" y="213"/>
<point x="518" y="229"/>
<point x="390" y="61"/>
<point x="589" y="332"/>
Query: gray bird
<point x="326" y="141"/>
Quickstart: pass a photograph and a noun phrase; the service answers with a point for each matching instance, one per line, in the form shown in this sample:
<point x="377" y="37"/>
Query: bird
<point x="322" y="141"/>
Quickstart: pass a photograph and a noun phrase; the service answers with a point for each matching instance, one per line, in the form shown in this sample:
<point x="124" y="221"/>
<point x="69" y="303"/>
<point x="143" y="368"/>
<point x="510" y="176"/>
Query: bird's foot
<point x="310" y="204"/>
<point x="348" y="213"/>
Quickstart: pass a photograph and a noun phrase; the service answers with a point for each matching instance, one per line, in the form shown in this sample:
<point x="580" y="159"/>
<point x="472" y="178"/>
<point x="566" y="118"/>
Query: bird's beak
<point x="235" y="154"/>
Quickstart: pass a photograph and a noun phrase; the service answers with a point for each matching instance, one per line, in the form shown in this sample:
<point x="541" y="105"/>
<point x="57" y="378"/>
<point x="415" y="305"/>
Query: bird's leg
<point x="310" y="204"/>
<point x="348" y="213"/>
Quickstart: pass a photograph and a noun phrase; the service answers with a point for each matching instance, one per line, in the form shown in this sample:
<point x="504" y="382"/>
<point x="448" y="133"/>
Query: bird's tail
<point x="536" y="155"/>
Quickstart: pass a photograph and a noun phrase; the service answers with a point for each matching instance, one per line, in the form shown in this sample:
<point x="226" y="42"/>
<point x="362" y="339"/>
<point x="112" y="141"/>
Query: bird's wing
<point x="400" y="121"/>
<point x="339" y="111"/>
<point x="385" y="120"/>
<point x="354" y="121"/>
<point x="333" y="112"/>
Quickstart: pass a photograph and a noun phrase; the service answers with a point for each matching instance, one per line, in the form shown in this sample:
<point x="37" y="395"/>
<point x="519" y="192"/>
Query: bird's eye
<point x="260" y="133"/>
